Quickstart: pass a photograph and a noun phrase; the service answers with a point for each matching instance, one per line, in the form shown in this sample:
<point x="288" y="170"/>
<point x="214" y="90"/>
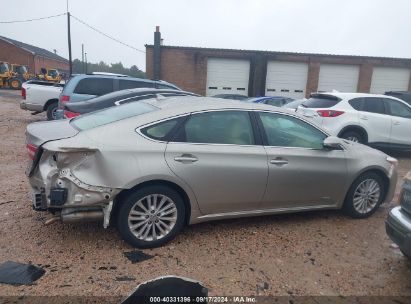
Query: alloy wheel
<point x="353" y="138"/>
<point x="366" y="196"/>
<point x="152" y="217"/>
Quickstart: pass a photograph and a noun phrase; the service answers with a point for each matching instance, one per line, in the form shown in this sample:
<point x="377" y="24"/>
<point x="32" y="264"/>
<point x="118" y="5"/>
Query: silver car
<point x="152" y="167"/>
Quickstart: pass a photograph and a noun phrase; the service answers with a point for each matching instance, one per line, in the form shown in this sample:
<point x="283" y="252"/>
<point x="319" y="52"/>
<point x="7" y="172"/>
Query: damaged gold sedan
<point x="151" y="167"/>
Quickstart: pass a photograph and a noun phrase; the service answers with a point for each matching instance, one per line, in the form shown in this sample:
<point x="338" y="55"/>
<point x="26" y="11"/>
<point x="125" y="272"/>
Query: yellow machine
<point x="52" y="75"/>
<point x="21" y="71"/>
<point x="8" y="78"/>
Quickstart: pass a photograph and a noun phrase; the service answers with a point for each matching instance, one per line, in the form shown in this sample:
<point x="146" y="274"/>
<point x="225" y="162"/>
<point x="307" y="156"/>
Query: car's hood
<point x="39" y="133"/>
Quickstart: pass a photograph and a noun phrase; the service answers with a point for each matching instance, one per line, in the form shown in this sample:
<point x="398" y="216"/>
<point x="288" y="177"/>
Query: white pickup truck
<point x="39" y="96"/>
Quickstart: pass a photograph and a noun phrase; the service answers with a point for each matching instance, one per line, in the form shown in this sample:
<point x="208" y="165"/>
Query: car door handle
<point x="396" y="123"/>
<point x="186" y="158"/>
<point x="279" y="161"/>
<point x="364" y="117"/>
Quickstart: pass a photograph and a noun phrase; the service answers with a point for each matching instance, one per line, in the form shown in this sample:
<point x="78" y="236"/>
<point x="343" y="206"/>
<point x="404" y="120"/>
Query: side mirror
<point x="332" y="143"/>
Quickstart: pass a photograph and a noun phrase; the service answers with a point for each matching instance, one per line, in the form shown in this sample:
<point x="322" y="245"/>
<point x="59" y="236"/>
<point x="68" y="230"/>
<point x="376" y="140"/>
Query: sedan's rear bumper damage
<point x="59" y="191"/>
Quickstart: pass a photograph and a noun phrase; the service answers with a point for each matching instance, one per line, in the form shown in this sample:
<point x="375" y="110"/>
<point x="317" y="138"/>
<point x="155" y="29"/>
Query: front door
<point x="302" y="173"/>
<point x="215" y="154"/>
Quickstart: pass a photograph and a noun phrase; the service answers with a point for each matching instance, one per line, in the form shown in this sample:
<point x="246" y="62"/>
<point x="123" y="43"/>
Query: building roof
<point x="34" y="49"/>
<point x="191" y="48"/>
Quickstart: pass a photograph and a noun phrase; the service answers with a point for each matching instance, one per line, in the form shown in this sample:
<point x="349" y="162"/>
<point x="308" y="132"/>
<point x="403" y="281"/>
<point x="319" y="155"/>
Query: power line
<point x="35" y="19"/>
<point x="108" y="36"/>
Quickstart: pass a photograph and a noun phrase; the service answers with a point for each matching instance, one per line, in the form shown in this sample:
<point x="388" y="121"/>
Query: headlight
<point x="394" y="162"/>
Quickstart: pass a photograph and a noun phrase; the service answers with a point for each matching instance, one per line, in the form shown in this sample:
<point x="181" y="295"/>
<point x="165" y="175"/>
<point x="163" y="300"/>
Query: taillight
<point x="31" y="150"/>
<point x="69" y="114"/>
<point x="64" y="98"/>
<point x="23" y="93"/>
<point x="329" y="113"/>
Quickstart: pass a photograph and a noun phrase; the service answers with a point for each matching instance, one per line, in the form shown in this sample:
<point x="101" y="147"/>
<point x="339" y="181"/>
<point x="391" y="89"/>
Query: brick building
<point x="210" y="71"/>
<point x="33" y="57"/>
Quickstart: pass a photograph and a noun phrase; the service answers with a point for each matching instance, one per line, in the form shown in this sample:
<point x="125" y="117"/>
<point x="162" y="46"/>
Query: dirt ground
<point x="315" y="253"/>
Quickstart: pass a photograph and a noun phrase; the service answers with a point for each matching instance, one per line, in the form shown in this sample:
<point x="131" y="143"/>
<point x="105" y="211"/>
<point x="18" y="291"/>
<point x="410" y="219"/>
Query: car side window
<point x="162" y="130"/>
<point x="132" y="84"/>
<point x="396" y="108"/>
<point x="373" y="105"/>
<point x="94" y="86"/>
<point x="286" y="131"/>
<point x="218" y="127"/>
<point x="356" y="103"/>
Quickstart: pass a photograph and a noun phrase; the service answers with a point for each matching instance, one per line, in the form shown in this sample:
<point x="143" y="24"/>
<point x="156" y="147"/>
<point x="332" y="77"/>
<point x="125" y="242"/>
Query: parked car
<point x="294" y="104"/>
<point x="39" y="96"/>
<point x="404" y="95"/>
<point x="185" y="160"/>
<point x="73" y="109"/>
<point x="276" y="101"/>
<point x="377" y="120"/>
<point x="231" y="96"/>
<point x="398" y="224"/>
<point x="86" y="86"/>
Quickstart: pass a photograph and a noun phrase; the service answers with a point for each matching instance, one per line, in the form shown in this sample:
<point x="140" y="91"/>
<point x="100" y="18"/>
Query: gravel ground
<point x="315" y="253"/>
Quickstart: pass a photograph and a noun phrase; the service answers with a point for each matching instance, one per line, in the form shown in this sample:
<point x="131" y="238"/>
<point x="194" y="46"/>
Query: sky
<point x="345" y="27"/>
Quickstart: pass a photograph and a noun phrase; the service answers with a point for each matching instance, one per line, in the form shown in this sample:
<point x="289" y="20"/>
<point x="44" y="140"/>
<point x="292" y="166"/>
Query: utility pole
<point x="69" y="43"/>
<point x="85" y="56"/>
<point x="82" y="57"/>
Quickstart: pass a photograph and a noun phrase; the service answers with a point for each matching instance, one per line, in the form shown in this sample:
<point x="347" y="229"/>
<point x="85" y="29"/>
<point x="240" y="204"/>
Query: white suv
<point x="377" y="120"/>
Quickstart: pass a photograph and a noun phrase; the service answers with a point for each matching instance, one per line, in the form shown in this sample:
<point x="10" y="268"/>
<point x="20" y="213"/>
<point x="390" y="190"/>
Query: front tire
<point x="52" y="111"/>
<point x="364" y="196"/>
<point x="150" y="217"/>
<point x="15" y="83"/>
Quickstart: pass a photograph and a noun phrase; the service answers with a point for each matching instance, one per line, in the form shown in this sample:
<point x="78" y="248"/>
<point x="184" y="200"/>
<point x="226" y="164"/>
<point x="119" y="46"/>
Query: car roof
<point x="343" y="95"/>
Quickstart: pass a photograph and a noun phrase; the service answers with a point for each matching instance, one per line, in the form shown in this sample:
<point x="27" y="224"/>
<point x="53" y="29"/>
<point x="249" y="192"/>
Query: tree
<point x="116" y="68"/>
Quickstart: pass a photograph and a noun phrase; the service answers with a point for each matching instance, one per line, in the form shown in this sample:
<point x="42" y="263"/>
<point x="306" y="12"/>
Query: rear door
<point x="400" y="122"/>
<point x="302" y="174"/>
<point x="217" y="154"/>
<point x="373" y="117"/>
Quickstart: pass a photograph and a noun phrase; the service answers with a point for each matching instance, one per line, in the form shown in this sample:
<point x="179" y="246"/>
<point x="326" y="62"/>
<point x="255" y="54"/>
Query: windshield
<point x="109" y="115"/>
<point x="4" y="67"/>
<point x="53" y="73"/>
<point x="20" y="69"/>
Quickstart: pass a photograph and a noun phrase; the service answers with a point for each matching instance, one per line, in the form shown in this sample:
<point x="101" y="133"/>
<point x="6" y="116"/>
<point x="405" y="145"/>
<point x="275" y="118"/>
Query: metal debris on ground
<point x="137" y="256"/>
<point x="167" y="286"/>
<point x="19" y="274"/>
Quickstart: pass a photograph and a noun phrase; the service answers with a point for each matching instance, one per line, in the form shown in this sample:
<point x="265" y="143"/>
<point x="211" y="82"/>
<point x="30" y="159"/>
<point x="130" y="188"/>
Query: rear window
<point x="109" y="115"/>
<point x="132" y="84"/>
<point x="321" y="101"/>
<point x="94" y="86"/>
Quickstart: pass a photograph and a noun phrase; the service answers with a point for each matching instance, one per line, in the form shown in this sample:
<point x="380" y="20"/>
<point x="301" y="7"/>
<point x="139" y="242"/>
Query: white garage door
<point x="340" y="77"/>
<point x="286" y="79"/>
<point x="227" y="76"/>
<point x="389" y="79"/>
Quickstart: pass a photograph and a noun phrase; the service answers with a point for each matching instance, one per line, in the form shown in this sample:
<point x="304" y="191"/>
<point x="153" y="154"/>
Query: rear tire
<point x="354" y="136"/>
<point x="364" y="196"/>
<point x="51" y="111"/>
<point x="150" y="217"/>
